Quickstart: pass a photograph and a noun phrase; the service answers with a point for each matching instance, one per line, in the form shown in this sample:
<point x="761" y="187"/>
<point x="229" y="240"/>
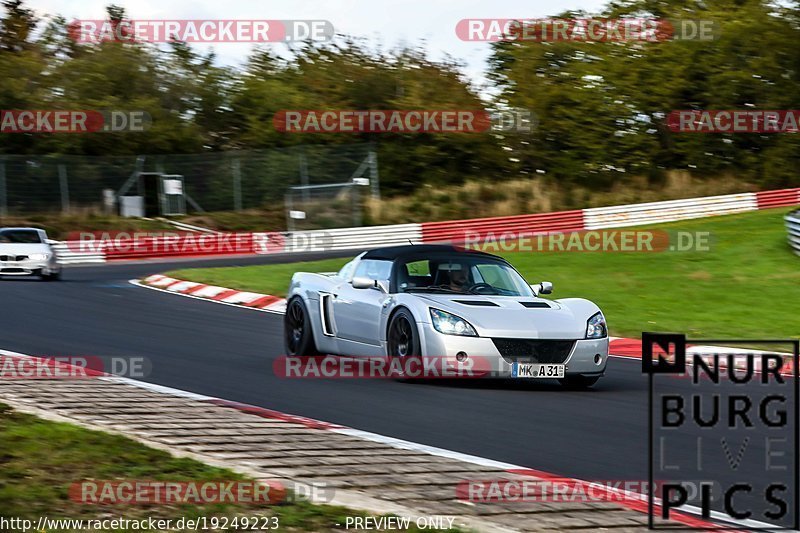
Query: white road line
<point x="401" y="444"/>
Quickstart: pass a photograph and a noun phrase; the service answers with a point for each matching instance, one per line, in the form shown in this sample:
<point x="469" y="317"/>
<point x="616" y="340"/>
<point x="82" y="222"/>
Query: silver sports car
<point x="438" y="301"/>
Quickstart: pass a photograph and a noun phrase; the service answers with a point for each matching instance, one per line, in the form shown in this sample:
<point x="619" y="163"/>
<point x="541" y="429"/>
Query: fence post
<point x="3" y="191"/>
<point x="62" y="179"/>
<point x="304" y="176"/>
<point x="287" y="201"/>
<point x="355" y="196"/>
<point x="236" y="167"/>
<point x="373" y="174"/>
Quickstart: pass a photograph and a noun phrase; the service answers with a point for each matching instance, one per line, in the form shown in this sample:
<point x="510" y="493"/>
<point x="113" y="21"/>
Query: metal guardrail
<point x="68" y="255"/>
<point x="793" y="229"/>
<point x="355" y="238"/>
<point x="669" y="211"/>
<point x="463" y="231"/>
<point x="219" y="244"/>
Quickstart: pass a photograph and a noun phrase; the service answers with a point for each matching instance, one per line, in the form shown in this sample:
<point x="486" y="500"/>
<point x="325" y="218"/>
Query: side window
<point x="346" y="272"/>
<point x="374" y="269"/>
<point x="419" y="268"/>
<point x="415" y="274"/>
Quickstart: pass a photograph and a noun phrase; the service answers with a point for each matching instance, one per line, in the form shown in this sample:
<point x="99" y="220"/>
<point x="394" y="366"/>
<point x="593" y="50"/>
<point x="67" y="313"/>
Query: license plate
<point x="537" y="371"/>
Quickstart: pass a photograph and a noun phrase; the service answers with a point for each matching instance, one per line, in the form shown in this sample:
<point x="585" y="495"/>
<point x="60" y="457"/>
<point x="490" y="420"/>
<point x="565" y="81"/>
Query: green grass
<point x="266" y="279"/>
<point x="747" y="285"/>
<point x="40" y="459"/>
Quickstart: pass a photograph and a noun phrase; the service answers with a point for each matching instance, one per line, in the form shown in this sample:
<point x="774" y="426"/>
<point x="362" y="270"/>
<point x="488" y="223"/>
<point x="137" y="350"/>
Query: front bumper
<point x="27" y="267"/>
<point x="587" y="357"/>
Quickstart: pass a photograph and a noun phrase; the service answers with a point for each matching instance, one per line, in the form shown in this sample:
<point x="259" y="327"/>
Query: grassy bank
<point x="490" y="198"/>
<point x="39" y="460"/>
<point x="746" y="285"/>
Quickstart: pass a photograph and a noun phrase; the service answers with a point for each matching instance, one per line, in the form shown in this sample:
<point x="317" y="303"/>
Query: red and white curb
<point x="224" y="295"/>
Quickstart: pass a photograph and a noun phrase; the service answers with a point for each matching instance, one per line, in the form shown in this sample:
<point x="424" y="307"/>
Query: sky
<point x="385" y="23"/>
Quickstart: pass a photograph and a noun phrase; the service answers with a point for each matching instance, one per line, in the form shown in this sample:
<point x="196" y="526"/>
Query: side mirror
<point x="544" y="287"/>
<point x="363" y="283"/>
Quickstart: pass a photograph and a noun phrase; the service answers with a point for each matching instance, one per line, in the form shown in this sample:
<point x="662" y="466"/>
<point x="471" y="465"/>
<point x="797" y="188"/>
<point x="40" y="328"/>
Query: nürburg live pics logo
<point x="723" y="431"/>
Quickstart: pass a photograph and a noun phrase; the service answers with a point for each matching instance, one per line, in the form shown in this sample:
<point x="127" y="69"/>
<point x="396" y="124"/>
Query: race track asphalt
<point x="227" y="352"/>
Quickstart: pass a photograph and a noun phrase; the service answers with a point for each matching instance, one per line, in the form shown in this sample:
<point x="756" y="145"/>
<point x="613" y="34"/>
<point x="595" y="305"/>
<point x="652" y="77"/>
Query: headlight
<point x="596" y="327"/>
<point x="450" y="324"/>
<point x="39" y="257"/>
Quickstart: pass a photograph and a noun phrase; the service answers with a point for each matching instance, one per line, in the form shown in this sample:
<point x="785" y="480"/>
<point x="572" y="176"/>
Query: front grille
<point x="534" y="350"/>
<point x="13" y="257"/>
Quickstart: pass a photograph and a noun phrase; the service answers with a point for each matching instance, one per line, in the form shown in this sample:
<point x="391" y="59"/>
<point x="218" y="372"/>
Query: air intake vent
<point x="534" y="350"/>
<point x="535" y="305"/>
<point x="477" y="303"/>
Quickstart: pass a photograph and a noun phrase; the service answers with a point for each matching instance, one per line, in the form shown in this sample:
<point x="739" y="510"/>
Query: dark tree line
<point x="601" y="107"/>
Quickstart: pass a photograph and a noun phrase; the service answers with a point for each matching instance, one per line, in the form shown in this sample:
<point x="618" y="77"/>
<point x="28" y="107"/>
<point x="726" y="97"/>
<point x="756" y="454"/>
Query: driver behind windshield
<point x="459" y="279"/>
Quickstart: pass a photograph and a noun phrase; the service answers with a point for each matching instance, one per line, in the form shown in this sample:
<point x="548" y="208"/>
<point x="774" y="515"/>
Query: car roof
<point x="393" y="253"/>
<point x="21" y="228"/>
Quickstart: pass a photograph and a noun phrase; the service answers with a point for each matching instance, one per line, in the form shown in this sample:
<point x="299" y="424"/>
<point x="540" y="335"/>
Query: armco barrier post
<point x="793" y="230"/>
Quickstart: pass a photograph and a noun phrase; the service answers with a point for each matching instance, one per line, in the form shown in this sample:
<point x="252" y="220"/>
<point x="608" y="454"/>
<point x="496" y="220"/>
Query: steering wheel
<point x="480" y="286"/>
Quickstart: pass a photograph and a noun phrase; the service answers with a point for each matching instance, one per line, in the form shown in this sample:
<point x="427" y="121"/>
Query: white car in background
<point x="27" y="251"/>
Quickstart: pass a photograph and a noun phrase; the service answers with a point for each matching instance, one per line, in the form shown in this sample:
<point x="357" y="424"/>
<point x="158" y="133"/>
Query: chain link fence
<point x="220" y="181"/>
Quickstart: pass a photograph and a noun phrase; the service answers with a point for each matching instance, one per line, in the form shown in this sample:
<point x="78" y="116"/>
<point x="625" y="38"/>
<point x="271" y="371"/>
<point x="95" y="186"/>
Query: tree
<point x="16" y="27"/>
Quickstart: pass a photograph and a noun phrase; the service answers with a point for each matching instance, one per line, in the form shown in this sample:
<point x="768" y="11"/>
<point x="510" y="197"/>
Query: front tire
<point x="298" y="333"/>
<point x="52" y="276"/>
<point x="578" y="382"/>
<point x="402" y="341"/>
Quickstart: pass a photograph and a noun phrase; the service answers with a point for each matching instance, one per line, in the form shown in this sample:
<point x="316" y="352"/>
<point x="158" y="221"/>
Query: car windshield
<point x="20" y="236"/>
<point x="463" y="274"/>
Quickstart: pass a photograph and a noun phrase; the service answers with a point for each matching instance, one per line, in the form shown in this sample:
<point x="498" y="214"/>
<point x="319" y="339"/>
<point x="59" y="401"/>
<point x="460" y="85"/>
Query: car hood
<point x="513" y="316"/>
<point x="13" y="248"/>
